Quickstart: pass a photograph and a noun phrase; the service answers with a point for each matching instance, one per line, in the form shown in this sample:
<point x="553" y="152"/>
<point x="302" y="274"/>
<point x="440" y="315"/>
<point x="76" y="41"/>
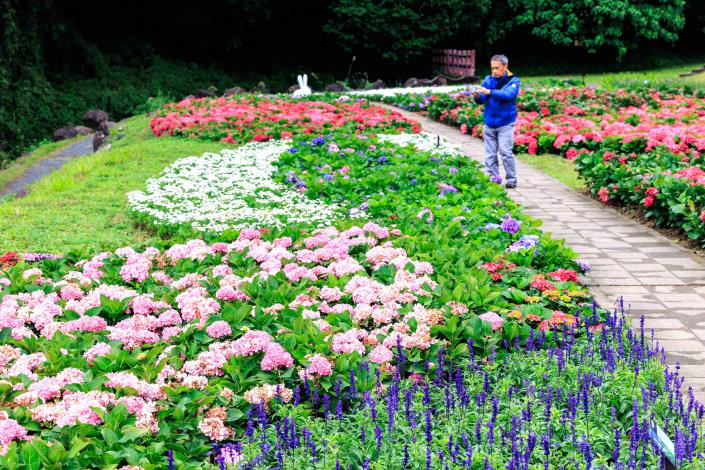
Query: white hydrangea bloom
<point x="425" y="141"/>
<point x="231" y="189"/>
<point x="411" y="90"/>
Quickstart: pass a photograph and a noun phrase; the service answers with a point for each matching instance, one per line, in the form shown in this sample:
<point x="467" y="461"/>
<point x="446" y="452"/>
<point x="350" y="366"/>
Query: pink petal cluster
<point x="136" y="268"/>
<point x="50" y="387"/>
<point x="219" y="329"/>
<point x="265" y="393"/>
<point x="382" y="314"/>
<point x="381" y="354"/>
<point x="348" y="342"/>
<point x="10" y="430"/>
<point x="276" y="357"/>
<point x="127" y="379"/>
<point x="318" y="366"/>
<point x="73" y="408"/>
<point x="98" y="350"/>
<point x="495" y="320"/>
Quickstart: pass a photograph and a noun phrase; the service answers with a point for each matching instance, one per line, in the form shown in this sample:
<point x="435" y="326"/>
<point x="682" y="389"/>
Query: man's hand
<point x="484" y="91"/>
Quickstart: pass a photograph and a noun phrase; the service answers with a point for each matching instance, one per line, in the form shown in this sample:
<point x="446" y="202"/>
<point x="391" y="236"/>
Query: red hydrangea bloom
<point x="604" y="195"/>
<point x="563" y="275"/>
<point x="541" y="283"/>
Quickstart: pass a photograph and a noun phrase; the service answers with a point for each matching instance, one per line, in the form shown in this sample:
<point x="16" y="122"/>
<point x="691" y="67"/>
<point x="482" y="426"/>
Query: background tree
<point x="397" y="31"/>
<point x="60" y="57"/>
<point x="597" y="24"/>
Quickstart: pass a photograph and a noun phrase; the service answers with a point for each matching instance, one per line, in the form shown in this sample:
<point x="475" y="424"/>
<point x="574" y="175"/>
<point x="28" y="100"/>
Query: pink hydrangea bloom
<point x="381" y="354"/>
<point x="276" y="357"/>
<point x="495" y="320"/>
<point x="252" y="342"/>
<point x="348" y="342"/>
<point x="11" y="430"/>
<point x="249" y="234"/>
<point x="318" y="366"/>
<point x="331" y="294"/>
<point x="97" y="350"/>
<point x="136" y="268"/>
<point x="219" y="329"/>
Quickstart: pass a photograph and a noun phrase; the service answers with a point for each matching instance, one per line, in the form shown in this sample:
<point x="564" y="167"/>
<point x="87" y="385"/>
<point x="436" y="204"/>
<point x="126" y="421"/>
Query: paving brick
<point x="683" y="346"/>
<point x="673" y="334"/>
<point x="680" y="297"/>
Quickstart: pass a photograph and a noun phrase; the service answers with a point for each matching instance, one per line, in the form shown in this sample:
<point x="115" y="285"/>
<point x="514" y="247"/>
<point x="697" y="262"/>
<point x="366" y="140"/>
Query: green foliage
<point x="395" y="31"/>
<point x="593" y="25"/>
<point x="22" y="80"/>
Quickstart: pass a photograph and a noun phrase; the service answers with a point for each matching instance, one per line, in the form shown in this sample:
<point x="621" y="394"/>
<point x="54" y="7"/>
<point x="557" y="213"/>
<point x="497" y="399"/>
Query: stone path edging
<point x="657" y="278"/>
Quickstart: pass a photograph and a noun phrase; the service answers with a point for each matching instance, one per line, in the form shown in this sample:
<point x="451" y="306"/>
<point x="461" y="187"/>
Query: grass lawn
<point x="84" y="205"/>
<point x="614" y="80"/>
<point x="559" y="168"/>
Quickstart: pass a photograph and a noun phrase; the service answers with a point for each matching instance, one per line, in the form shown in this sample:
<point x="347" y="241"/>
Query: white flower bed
<point x="425" y="141"/>
<point x="231" y="189"/>
<point x="404" y="91"/>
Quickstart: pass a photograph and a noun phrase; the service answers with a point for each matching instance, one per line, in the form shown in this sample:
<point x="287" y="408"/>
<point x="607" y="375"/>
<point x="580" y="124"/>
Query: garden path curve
<point x="657" y="278"/>
<point x="48" y="164"/>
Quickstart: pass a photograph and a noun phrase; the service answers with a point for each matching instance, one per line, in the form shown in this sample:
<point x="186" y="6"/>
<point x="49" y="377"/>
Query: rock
<point x="412" y="82"/>
<point x="66" y="132"/>
<point x="98" y="140"/>
<point x="377" y="85"/>
<point x="111" y="124"/>
<point x="105" y="128"/>
<point x="439" y="81"/>
<point x="204" y="93"/>
<point x="83" y="130"/>
<point x="101" y="136"/>
<point x="105" y="148"/>
<point x="236" y="90"/>
<point x="335" y="87"/>
<point x="120" y="136"/>
<point x="94" y="117"/>
<point x="260" y="88"/>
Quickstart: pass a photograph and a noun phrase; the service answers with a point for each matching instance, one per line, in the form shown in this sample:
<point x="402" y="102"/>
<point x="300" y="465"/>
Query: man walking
<point x="499" y="95"/>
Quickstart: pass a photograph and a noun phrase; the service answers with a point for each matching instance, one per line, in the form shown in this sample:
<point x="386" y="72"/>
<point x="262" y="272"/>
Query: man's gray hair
<point x="500" y="58"/>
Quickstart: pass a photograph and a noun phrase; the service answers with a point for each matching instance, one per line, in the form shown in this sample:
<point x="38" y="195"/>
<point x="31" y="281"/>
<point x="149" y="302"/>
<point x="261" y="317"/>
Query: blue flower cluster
<point x="292" y="178"/>
<point x="510" y="225"/>
<point x="525" y="242"/>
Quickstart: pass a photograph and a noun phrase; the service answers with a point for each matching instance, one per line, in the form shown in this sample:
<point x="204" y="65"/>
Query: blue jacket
<point x="501" y="103"/>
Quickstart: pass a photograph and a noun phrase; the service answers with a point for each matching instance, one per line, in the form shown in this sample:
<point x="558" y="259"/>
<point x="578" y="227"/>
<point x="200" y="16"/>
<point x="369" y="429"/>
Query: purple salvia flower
<point x="378" y="437"/>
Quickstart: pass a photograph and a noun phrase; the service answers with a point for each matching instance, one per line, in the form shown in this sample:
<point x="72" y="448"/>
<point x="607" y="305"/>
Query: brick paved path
<point x="658" y="279"/>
